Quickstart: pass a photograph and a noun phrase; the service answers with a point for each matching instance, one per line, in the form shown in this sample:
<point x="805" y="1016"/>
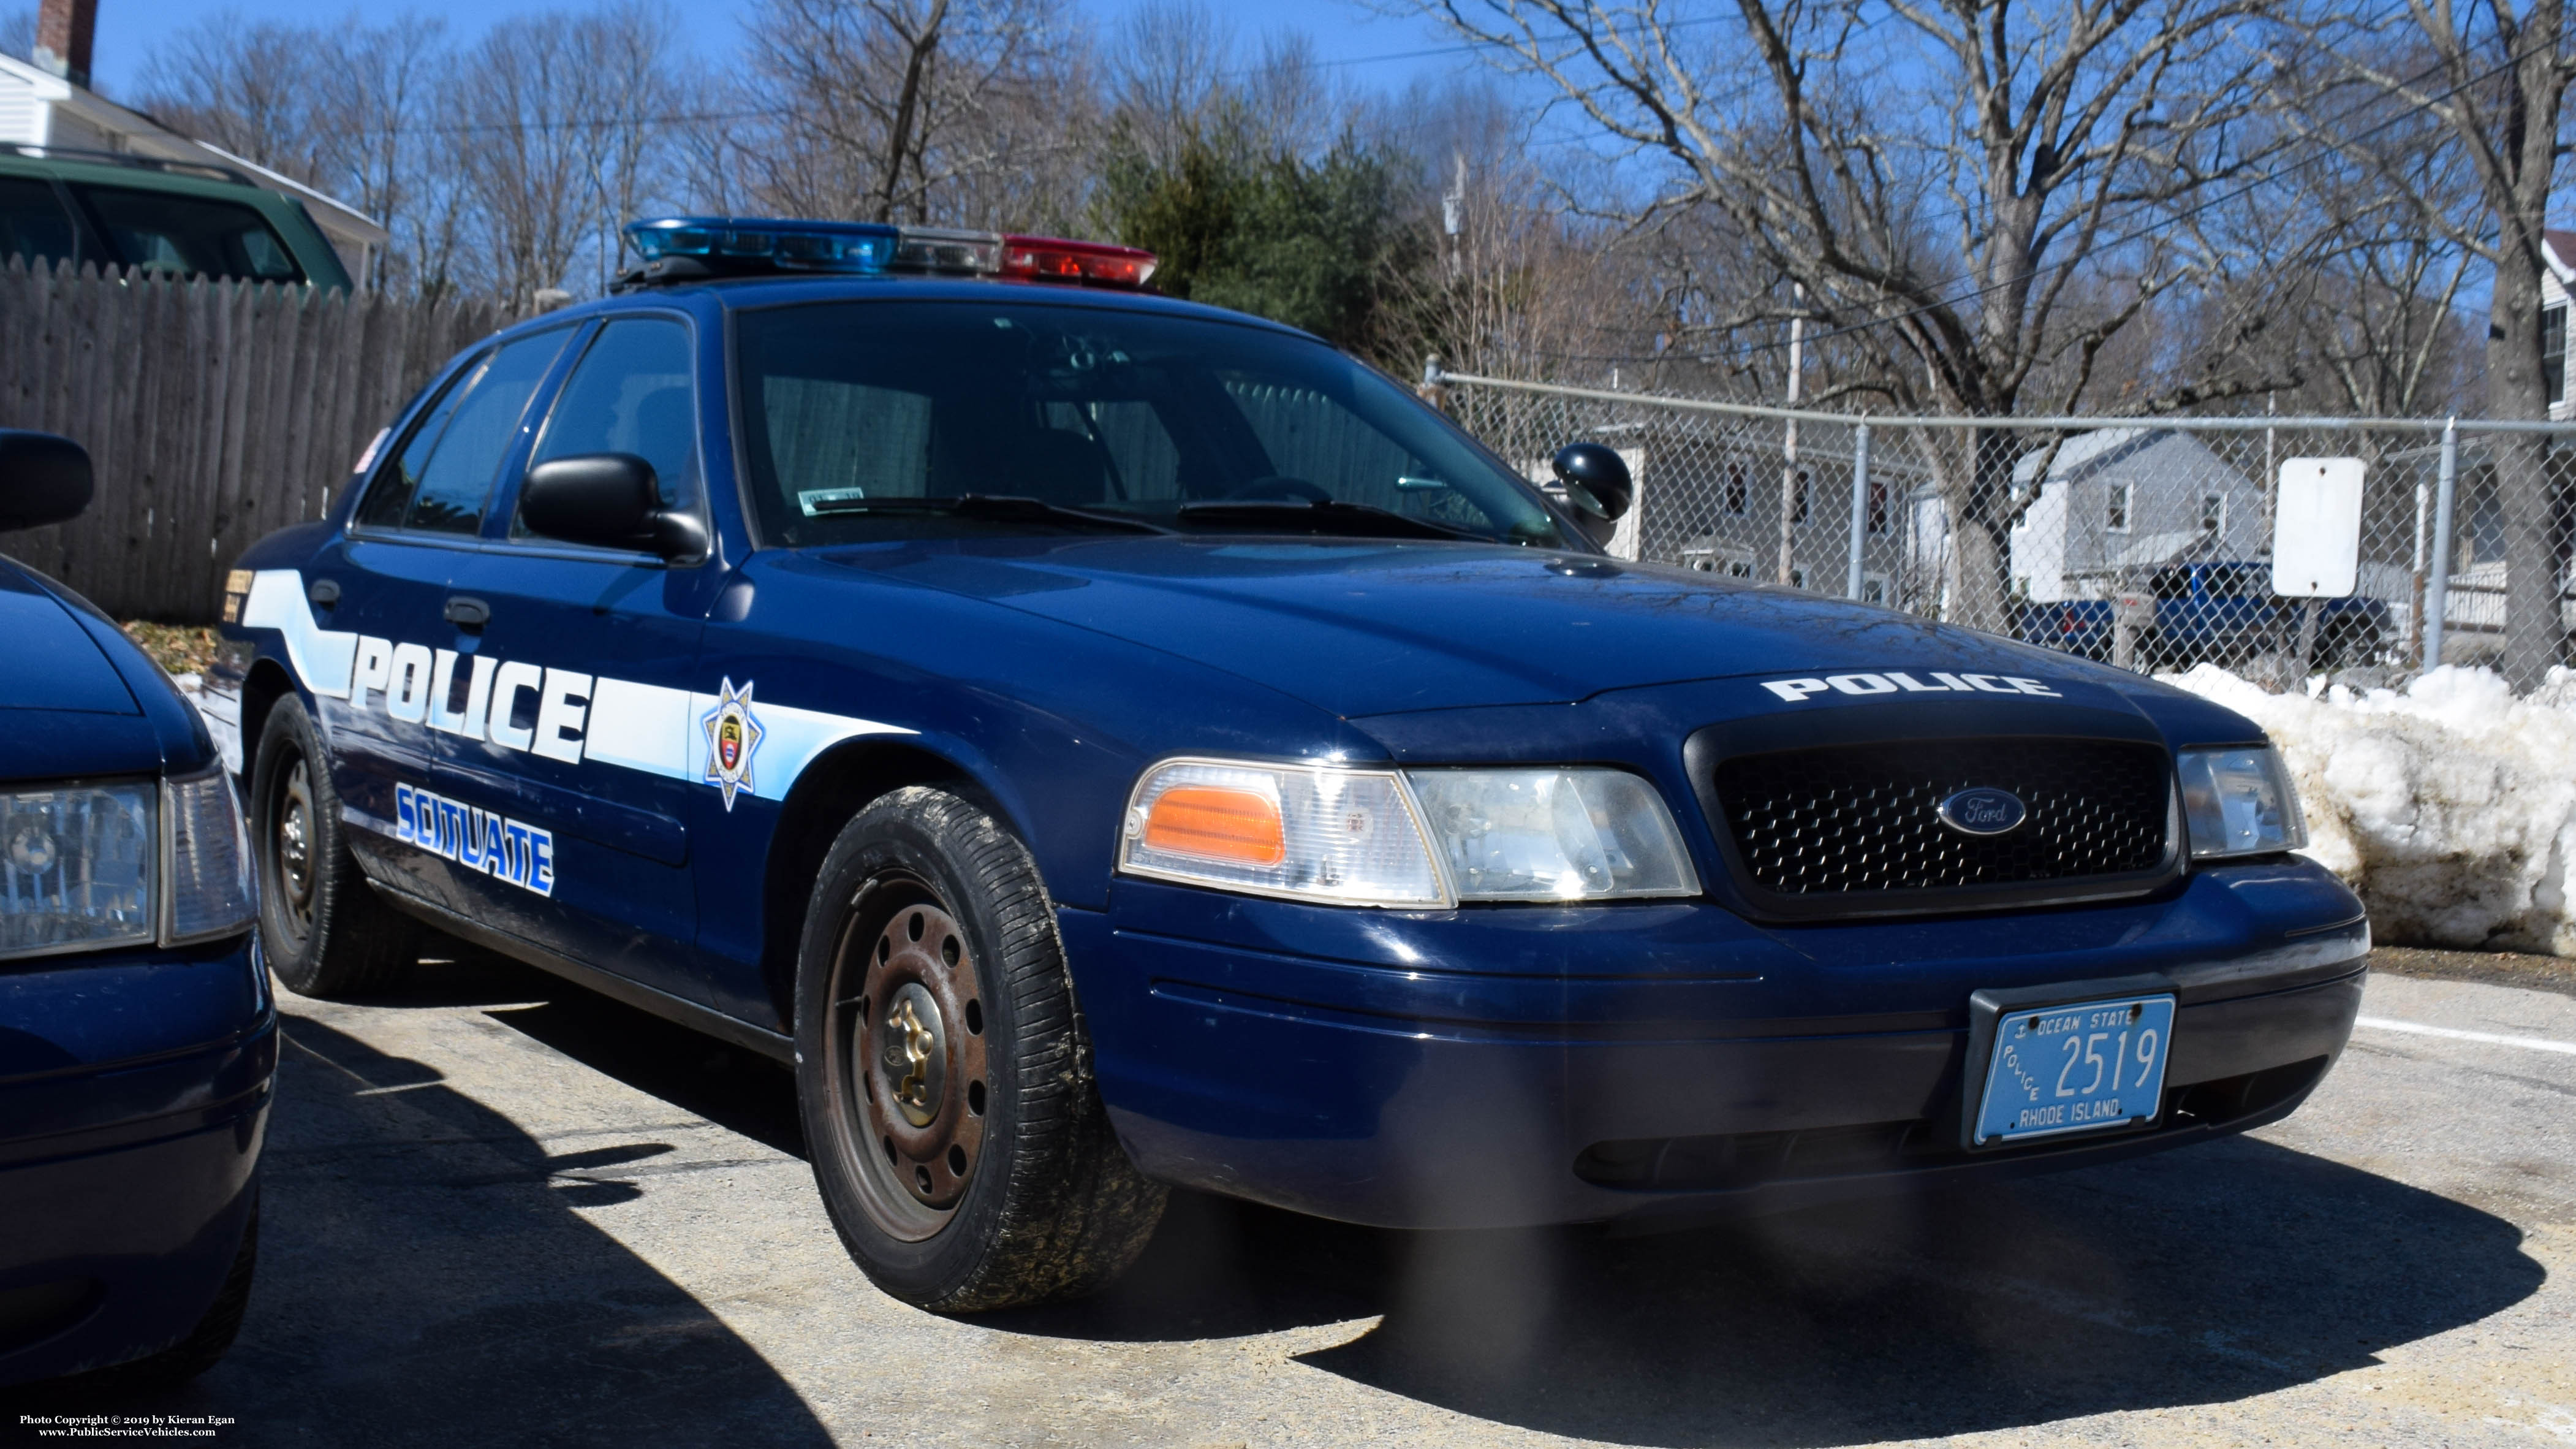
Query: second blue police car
<point x="138" y="1039"/>
<point x="1107" y="743"/>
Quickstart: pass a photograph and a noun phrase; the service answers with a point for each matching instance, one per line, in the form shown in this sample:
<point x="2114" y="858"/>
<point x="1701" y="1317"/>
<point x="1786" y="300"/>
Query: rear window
<point x="33" y="225"/>
<point x="159" y="231"/>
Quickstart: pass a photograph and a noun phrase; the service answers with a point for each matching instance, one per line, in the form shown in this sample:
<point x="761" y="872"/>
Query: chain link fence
<point x="2143" y="542"/>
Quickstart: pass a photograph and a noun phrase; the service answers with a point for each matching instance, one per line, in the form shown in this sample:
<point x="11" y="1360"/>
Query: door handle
<point x="467" y="614"/>
<point x="323" y="592"/>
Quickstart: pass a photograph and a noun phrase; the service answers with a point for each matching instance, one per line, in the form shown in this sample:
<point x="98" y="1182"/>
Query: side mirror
<point x="43" y="479"/>
<point x="1596" y="480"/>
<point x="609" y="500"/>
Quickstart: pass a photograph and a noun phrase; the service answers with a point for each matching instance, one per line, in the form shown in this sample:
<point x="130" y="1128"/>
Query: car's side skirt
<point x="714" y="1023"/>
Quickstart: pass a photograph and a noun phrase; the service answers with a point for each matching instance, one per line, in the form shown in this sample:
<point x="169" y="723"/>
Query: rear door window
<point x="440" y="477"/>
<point x="33" y="225"/>
<point x="159" y="231"/>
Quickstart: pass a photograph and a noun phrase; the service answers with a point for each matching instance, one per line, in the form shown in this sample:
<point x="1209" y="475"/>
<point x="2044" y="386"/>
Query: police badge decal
<point x="733" y="733"/>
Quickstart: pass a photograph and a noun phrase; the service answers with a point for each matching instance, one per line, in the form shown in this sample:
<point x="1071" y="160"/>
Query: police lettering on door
<point x="418" y="686"/>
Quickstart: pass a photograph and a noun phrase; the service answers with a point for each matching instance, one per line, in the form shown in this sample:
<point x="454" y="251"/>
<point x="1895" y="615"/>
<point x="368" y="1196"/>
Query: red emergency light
<point x="1055" y="259"/>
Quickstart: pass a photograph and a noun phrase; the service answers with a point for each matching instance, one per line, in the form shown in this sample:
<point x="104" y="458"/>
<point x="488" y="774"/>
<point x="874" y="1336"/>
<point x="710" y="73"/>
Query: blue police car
<point x="1107" y="743"/>
<point x="137" y="1036"/>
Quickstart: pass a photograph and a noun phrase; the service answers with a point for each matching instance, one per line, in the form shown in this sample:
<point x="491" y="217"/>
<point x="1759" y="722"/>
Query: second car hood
<point x="1373" y="627"/>
<point x="47" y="660"/>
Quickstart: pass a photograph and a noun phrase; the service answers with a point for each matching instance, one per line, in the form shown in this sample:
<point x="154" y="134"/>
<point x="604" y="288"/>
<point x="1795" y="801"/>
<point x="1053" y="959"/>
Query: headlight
<point x="2239" y="802"/>
<point x="210" y="882"/>
<point x="85" y="866"/>
<point x="78" y="867"/>
<point x="1553" y="835"/>
<point x="1404" y="838"/>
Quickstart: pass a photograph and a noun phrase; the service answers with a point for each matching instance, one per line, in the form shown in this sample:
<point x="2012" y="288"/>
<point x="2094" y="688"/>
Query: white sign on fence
<point x="2316" y="529"/>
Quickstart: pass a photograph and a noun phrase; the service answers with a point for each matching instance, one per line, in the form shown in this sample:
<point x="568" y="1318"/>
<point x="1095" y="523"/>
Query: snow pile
<point x="2450" y="807"/>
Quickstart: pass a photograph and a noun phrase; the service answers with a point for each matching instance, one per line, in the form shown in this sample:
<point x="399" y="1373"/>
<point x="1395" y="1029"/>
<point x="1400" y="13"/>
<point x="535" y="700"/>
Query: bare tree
<point x="2497" y="82"/>
<point x="550" y="124"/>
<point x="957" y="112"/>
<point x="1941" y="171"/>
<point x="1516" y="285"/>
<point x="247" y="87"/>
<point x="18" y="33"/>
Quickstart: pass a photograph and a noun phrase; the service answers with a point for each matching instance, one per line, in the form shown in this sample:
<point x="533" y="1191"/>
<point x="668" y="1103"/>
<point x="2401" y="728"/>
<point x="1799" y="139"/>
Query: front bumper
<point x="134" y="1095"/>
<point x="1513" y="1067"/>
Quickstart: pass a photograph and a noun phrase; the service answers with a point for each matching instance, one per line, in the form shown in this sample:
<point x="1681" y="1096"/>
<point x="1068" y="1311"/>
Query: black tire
<point x="933" y="1005"/>
<point x="325" y="931"/>
<point x="206" y="1343"/>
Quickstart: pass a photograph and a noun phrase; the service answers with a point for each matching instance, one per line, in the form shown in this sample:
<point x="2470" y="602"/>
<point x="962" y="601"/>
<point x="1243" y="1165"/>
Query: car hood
<point x="47" y="660"/>
<point x="1374" y="627"/>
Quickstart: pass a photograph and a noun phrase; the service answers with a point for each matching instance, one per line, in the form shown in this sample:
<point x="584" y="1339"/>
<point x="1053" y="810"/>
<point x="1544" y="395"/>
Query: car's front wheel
<point x="325" y="931"/>
<point x="961" y="1148"/>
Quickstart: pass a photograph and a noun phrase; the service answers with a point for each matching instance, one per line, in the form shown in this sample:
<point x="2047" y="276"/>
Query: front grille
<point x="1847" y="819"/>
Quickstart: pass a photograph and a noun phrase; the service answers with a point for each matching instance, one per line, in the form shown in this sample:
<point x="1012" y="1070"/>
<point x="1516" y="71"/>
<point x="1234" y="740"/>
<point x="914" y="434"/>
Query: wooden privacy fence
<point x="215" y="412"/>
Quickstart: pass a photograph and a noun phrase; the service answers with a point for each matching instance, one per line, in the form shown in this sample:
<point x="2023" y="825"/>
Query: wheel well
<point x="830" y="791"/>
<point x="266" y="684"/>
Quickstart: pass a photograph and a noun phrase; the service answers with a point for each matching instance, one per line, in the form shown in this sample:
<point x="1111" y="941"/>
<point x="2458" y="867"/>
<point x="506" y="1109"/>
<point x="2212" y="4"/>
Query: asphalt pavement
<point x="502" y="1210"/>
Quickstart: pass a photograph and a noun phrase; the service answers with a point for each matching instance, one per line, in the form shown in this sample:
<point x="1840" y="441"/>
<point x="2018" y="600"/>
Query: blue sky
<point x="1344" y="32"/>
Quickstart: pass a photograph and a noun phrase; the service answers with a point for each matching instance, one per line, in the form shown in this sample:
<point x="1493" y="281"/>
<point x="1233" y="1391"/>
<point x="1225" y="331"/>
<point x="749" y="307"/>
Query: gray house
<point x="2120" y="502"/>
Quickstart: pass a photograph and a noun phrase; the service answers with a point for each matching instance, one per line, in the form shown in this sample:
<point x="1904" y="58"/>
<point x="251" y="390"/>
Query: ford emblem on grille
<point x="1983" y="811"/>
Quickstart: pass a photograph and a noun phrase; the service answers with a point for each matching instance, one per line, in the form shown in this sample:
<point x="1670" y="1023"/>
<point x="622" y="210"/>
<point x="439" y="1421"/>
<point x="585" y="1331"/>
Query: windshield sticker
<point x="505" y="849"/>
<point x="815" y="501"/>
<point x="733" y="733"/>
<point x="1893" y="683"/>
<point x="518" y="708"/>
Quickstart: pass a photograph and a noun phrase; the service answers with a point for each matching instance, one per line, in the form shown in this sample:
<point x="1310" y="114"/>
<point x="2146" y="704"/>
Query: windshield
<point x="861" y="416"/>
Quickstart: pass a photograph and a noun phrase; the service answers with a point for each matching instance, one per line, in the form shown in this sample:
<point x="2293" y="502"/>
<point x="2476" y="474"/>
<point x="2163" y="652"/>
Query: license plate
<point x="2090" y="1066"/>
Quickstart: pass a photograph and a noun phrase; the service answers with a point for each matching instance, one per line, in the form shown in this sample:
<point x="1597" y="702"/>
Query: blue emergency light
<point x="800" y="246"/>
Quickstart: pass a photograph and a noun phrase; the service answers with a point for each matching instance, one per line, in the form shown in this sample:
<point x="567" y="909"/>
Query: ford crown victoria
<point x="1108" y="744"/>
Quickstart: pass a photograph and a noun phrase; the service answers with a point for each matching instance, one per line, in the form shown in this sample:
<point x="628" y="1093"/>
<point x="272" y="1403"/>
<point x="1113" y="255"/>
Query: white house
<point x="2558" y="248"/>
<point x="41" y="108"/>
<point x="2120" y="502"/>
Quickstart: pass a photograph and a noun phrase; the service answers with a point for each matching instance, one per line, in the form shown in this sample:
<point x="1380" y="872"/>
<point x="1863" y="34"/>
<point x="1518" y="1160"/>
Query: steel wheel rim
<point x="905" y="1047"/>
<point x="291" y="851"/>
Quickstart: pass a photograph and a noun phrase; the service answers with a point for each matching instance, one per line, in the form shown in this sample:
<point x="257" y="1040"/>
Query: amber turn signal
<point x="1214" y="823"/>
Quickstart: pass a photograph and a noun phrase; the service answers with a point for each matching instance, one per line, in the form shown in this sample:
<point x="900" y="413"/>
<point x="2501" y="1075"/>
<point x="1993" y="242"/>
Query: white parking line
<point x="2417" y="1028"/>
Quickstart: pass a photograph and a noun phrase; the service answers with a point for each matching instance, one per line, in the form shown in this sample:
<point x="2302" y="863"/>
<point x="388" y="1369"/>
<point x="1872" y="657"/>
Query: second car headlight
<point x="86" y="865"/>
<point x="2239" y="802"/>
<point x="79" y="867"/>
<point x="1405" y="838"/>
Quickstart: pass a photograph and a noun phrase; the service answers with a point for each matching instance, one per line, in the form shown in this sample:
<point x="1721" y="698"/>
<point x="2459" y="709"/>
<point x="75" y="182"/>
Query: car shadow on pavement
<point x="2231" y="1270"/>
<point x="426" y="1276"/>
<point x="2207" y="1276"/>
<point x="733" y="1087"/>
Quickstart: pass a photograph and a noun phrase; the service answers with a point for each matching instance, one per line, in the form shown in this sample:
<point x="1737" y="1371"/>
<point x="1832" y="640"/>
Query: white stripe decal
<point x="644" y="727"/>
<point x="2452" y="1033"/>
<point x="640" y="726"/>
<point x="321" y="657"/>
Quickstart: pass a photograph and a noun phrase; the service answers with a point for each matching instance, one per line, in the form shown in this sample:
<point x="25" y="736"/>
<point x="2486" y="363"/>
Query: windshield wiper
<point x="1328" y="515"/>
<point x="986" y="505"/>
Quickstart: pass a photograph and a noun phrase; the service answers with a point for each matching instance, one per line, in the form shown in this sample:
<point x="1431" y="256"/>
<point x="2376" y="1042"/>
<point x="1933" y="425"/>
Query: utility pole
<point x="1453" y="216"/>
<point x="1789" y="444"/>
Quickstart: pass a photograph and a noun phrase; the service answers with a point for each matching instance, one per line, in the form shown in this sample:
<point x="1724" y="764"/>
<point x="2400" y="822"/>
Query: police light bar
<point x="1057" y="260"/>
<point x="801" y="246"/>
